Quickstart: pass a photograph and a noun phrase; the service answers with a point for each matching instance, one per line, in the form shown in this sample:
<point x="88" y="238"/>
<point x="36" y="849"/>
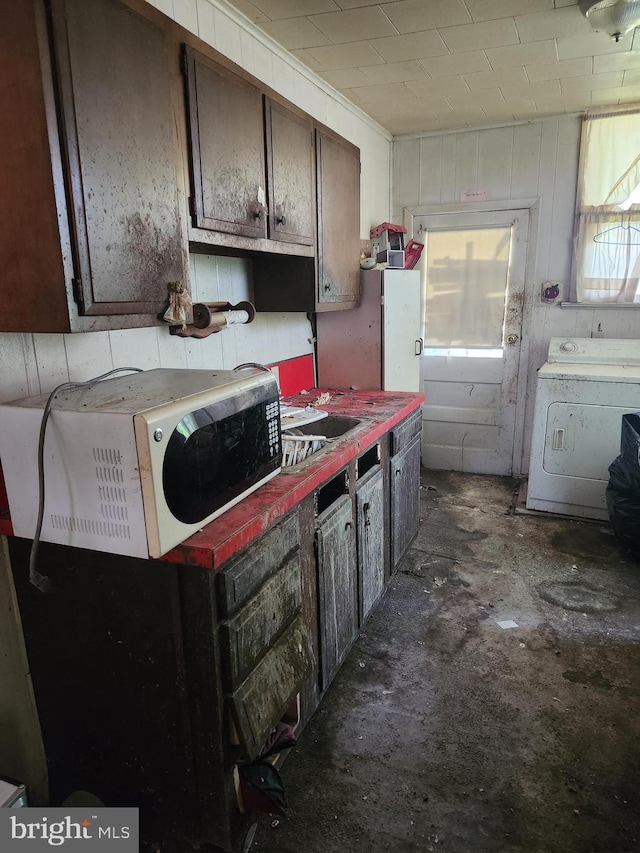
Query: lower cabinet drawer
<point x="262" y="699"/>
<point x="405" y="431"/>
<point x="246" y="637"/>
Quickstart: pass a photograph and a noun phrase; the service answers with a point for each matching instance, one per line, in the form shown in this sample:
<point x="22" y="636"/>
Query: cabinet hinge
<point x="78" y="296"/>
<point x="184" y="65"/>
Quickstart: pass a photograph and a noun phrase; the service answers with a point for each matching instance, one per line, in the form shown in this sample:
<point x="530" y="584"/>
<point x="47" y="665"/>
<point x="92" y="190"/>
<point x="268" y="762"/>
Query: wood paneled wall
<point x="537" y="160"/>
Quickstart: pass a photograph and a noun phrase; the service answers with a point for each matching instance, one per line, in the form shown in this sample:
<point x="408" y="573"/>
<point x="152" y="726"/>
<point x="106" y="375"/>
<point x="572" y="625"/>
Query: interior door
<point x="474" y="267"/>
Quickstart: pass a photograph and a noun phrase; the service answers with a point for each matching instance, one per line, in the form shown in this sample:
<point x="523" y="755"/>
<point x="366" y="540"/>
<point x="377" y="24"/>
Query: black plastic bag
<point x="623" y="491"/>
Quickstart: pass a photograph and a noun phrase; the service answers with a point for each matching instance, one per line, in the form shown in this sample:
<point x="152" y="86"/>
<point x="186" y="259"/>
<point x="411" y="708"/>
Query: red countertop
<point x="378" y="411"/>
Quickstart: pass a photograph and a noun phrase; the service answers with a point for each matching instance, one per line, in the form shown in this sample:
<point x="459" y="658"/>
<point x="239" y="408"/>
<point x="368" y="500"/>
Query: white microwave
<point x="136" y="464"/>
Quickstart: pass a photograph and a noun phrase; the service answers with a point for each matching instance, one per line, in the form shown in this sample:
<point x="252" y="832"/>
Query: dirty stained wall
<point x="535" y="160"/>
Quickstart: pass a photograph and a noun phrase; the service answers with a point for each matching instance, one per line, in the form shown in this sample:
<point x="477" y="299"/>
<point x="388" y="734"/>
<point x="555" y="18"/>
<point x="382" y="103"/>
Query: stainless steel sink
<point x="309" y="441"/>
<point x="333" y="426"/>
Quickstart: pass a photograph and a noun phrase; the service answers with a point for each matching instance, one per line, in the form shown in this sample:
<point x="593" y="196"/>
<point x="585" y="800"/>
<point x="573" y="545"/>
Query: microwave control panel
<point x="273" y="426"/>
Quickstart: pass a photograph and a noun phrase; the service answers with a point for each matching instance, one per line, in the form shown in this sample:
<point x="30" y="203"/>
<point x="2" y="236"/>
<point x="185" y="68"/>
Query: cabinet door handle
<point x="259" y="214"/>
<point x="281" y="220"/>
<point x="419" y="346"/>
<point x="347" y="525"/>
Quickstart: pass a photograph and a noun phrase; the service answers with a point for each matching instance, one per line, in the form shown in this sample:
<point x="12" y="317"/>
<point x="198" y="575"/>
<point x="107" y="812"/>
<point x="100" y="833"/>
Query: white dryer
<point x="582" y="392"/>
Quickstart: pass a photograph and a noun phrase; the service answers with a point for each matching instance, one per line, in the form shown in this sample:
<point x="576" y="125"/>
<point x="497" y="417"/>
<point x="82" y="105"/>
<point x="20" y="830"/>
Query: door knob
<point x="512" y="340"/>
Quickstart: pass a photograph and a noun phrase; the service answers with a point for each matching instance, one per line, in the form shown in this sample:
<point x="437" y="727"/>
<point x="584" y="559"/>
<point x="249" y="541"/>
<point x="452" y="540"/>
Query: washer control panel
<point x="594" y="351"/>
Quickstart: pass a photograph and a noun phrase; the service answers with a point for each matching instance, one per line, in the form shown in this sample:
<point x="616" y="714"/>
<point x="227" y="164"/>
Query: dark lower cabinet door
<point x="337" y="586"/>
<point x="115" y="71"/>
<point x="405" y="499"/>
<point x="371" y="544"/>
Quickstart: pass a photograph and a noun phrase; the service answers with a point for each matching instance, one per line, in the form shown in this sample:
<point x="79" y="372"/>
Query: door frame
<point x="511" y="205"/>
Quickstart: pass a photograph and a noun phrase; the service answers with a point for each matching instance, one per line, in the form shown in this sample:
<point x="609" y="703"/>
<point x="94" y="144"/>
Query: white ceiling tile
<point x="415" y="76"/>
<point x="275" y="9"/>
<point x="487" y="101"/>
<point x="345" y="55"/>
<point x="629" y="94"/>
<point x="441" y="86"/>
<point x="487" y="10"/>
<point x="605" y="97"/>
<point x="394" y="72"/>
<point x="556" y="70"/>
<point x="345" y="78"/>
<point x="412" y="46"/>
<point x="496" y="79"/>
<point x="392" y="92"/>
<point x="462" y="118"/>
<point x="341" y="27"/>
<point x="595" y="44"/>
<point x="310" y="61"/>
<point x="555" y="24"/>
<point x="410" y="16"/>
<point x="524" y="106"/>
<point x="295" y="33"/>
<point x="356" y="4"/>
<point x="553" y="104"/>
<point x="476" y="36"/>
<point x="459" y="63"/>
<point x="531" y="90"/>
<point x="428" y="103"/>
<point x="522" y="54"/>
<point x="616" y="62"/>
<point x="590" y="82"/>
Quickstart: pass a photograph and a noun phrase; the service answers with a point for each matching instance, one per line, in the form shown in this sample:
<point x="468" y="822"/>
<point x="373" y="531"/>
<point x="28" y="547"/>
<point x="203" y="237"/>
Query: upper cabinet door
<point x="289" y="139"/>
<point x="115" y="82"/>
<point x="338" y="182"/>
<point x="227" y="149"/>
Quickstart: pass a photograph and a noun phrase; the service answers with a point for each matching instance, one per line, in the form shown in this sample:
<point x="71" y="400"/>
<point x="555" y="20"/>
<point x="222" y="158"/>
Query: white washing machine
<point x="583" y="390"/>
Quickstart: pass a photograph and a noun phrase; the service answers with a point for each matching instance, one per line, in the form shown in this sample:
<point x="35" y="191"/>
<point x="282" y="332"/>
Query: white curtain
<point x="607" y="241"/>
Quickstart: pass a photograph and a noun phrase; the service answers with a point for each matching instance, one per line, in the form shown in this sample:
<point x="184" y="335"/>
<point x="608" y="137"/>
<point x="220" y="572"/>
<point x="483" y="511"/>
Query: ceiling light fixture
<point x="615" y="17"/>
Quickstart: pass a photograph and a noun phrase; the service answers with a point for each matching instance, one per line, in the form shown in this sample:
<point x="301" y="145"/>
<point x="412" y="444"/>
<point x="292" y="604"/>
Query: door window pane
<point x="467" y="274"/>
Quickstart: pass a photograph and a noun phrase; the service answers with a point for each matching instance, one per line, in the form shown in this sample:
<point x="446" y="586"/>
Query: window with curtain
<point x="607" y="239"/>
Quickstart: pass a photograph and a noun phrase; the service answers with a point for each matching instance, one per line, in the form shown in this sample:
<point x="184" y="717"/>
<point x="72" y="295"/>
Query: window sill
<point x="601" y="306"/>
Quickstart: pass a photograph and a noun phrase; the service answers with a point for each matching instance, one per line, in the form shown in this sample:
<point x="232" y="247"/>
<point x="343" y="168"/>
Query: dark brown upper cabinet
<point x="338" y="184"/>
<point x="331" y="280"/>
<point x="114" y="69"/>
<point x="291" y="192"/>
<point x="92" y="207"/>
<point x="226" y="135"/>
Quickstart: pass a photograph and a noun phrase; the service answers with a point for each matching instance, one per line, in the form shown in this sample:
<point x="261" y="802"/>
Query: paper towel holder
<point x="212" y="317"/>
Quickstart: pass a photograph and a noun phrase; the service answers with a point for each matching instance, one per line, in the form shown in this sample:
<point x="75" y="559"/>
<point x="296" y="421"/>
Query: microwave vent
<point x="92" y="526"/>
<point x="107" y="455"/>
<point x="109" y="467"/>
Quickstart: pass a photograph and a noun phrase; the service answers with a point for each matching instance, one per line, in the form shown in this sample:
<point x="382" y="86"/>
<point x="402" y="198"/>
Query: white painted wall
<point x="31" y="364"/>
<point x="535" y="160"/>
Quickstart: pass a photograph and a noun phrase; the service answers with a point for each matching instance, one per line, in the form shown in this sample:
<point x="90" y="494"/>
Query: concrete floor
<point x="444" y="731"/>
